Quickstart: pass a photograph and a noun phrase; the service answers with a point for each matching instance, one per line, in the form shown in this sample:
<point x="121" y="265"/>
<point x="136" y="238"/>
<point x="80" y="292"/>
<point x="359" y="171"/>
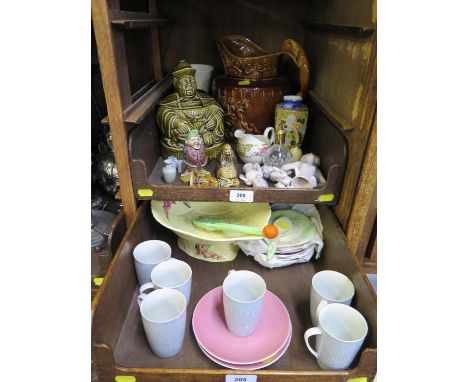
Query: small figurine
<point x="188" y="109"/>
<point x="253" y="175"/>
<point x="194" y="155"/>
<point x="227" y="169"/>
<point x="304" y="174"/>
<point x="202" y="178"/>
<point x="276" y="175"/>
<point x="311" y="159"/>
<point x="295" y="149"/>
<point x="304" y="171"/>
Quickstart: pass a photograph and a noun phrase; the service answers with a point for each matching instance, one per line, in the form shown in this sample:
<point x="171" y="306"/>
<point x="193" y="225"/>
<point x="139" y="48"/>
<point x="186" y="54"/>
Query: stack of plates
<point x="266" y="345"/>
<point x="300" y="238"/>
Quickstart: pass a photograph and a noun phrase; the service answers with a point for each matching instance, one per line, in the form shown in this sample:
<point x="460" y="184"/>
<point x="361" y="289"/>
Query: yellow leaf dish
<point x="213" y="246"/>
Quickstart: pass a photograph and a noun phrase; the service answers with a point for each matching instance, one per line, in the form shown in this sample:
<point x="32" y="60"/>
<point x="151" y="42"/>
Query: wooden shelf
<point x="144" y="100"/>
<point x="334" y="116"/>
<point x="148" y="101"/>
<point x="133" y="20"/>
<point x="146" y="163"/>
<point x="119" y="347"/>
<point x="181" y="191"/>
<point x="355" y="31"/>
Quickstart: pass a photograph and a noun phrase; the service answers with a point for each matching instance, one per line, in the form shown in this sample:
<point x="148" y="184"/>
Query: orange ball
<point x="270" y="231"/>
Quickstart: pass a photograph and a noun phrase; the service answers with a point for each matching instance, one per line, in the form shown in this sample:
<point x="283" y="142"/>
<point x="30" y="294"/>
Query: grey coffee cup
<point x="147" y="255"/>
<point x="243" y="295"/>
<point x="340" y="334"/>
<point x="174" y="274"/>
<point x="329" y="287"/>
<point x="163" y="313"/>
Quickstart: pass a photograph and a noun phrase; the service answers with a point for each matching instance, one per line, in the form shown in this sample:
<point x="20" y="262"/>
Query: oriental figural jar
<point x="188" y="109"/>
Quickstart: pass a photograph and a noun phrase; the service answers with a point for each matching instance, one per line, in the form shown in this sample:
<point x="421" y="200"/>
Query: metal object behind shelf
<point x="101" y="224"/>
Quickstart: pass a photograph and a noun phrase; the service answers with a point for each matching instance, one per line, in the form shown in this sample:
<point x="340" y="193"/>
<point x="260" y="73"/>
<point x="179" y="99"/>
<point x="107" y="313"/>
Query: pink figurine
<point x="195" y="159"/>
<point x="194" y="151"/>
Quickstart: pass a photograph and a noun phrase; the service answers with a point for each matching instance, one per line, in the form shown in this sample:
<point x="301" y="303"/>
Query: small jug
<point x="251" y="148"/>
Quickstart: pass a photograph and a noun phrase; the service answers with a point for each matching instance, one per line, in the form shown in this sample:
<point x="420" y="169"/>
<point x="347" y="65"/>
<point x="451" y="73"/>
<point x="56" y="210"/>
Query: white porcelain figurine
<point x="304" y="174"/>
<point x="277" y="175"/>
<point x="253" y="175"/>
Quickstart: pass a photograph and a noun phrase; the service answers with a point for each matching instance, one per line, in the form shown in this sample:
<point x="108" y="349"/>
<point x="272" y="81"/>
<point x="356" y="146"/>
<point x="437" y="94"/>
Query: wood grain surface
<point x="118" y="230"/>
<point x="344" y="69"/>
<point x="113" y="63"/>
<point x="364" y="210"/>
<point x="357" y="13"/>
<point x="358" y="138"/>
<point x="199" y="23"/>
<point x="155" y="43"/>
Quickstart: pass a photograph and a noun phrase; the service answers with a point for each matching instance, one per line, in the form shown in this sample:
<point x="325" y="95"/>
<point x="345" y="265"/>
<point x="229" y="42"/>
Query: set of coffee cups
<point x="340" y="330"/>
<point x="164" y="309"/>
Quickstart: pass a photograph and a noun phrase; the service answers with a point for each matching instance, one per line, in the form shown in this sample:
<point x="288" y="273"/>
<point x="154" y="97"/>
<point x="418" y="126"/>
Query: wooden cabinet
<point x="136" y="50"/>
<point x="139" y="42"/>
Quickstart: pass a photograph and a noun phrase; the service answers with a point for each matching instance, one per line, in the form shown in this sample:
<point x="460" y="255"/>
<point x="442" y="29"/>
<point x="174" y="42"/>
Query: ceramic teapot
<point x="251" y="148"/>
<point x="251" y="86"/>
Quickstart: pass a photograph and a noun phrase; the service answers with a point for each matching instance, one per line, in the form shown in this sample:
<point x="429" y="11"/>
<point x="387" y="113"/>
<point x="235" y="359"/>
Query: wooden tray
<point x="146" y="163"/>
<point x="117" y="233"/>
<point x="119" y="346"/>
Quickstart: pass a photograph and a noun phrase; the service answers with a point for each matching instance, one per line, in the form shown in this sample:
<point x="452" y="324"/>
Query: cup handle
<point x="321" y="304"/>
<point x="140" y="298"/>
<point x="146" y="286"/>
<point x="309" y="333"/>
<point x="239" y="134"/>
<point x="271" y="137"/>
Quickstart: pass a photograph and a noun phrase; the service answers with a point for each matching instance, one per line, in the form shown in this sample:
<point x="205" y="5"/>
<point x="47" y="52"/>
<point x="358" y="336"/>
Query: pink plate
<point x="211" y="332"/>
<point x="252" y="366"/>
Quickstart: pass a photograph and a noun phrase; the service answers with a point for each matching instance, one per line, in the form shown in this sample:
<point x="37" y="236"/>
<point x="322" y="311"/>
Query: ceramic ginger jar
<point x="291" y="116"/>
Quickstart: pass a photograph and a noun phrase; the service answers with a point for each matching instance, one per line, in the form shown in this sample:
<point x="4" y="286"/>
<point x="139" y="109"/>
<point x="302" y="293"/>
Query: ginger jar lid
<point x="292" y="98"/>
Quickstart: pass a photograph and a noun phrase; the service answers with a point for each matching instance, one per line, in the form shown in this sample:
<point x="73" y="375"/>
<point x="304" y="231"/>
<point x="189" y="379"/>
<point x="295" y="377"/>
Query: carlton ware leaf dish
<point x="213" y="246"/>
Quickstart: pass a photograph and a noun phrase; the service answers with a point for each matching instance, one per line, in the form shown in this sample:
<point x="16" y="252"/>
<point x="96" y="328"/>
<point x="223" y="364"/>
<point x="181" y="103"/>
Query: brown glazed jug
<point x="251" y="87"/>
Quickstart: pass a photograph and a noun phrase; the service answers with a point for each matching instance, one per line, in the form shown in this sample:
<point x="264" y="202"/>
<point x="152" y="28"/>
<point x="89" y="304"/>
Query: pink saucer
<point x="211" y="332"/>
<point x="252" y="366"/>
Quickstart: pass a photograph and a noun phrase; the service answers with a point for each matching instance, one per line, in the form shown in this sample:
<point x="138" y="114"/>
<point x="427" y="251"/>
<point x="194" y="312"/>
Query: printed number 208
<point x="241" y="379"/>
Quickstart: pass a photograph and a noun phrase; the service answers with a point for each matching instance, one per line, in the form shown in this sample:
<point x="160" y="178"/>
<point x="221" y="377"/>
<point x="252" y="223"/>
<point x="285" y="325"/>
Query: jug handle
<point x="297" y="54"/>
<point x="271" y="137"/>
